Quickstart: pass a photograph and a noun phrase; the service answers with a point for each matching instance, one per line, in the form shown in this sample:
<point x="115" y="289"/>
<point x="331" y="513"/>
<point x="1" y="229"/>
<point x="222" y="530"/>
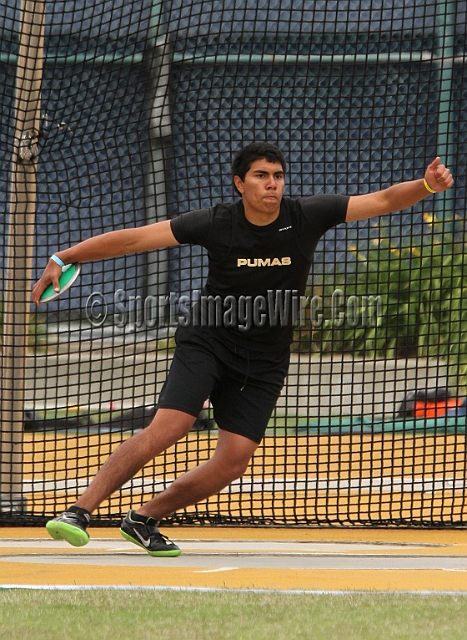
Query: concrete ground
<point x="236" y="558"/>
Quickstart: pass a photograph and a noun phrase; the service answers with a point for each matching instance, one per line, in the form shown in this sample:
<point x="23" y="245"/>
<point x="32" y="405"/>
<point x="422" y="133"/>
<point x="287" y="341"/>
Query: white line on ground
<point x="218" y="570"/>
<point x="311" y="592"/>
<point x="389" y="484"/>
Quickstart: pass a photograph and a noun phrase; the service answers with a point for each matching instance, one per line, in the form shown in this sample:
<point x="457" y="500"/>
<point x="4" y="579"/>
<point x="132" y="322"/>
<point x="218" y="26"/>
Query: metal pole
<point x="18" y="272"/>
<point x="160" y="136"/>
<point x="445" y="202"/>
<point x="445" y="32"/>
<point x="156" y="188"/>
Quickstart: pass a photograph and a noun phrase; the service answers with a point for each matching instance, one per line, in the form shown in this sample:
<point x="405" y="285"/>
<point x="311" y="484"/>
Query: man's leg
<point x="229" y="462"/>
<point x="167" y="427"/>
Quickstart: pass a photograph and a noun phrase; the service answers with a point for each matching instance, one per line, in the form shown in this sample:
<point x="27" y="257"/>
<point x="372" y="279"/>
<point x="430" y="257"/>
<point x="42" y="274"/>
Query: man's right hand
<point x="50" y="275"/>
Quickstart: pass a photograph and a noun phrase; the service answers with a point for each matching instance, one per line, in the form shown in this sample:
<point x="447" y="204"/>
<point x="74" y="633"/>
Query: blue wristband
<point x="57" y="260"/>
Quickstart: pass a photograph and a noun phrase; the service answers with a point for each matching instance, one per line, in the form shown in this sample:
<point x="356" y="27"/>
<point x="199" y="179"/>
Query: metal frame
<point x="18" y="272"/>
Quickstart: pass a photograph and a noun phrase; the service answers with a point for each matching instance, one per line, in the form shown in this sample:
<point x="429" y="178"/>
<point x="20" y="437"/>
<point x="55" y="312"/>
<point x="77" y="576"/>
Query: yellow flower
<point x="430" y="218"/>
<point x="353" y="249"/>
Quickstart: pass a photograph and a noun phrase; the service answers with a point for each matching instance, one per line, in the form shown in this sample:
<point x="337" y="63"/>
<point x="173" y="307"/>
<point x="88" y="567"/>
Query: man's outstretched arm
<point x="107" y="245"/>
<point x="400" y="196"/>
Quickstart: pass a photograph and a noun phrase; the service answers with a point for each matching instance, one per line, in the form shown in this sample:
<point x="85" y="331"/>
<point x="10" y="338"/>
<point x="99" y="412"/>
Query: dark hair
<point x="255" y="151"/>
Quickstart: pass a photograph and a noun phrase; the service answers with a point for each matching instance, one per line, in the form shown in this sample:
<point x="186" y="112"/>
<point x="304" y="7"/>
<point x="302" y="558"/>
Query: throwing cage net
<point x="119" y="114"/>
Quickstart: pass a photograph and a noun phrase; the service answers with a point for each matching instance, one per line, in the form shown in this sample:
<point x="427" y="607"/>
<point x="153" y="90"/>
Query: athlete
<point x="260" y="252"/>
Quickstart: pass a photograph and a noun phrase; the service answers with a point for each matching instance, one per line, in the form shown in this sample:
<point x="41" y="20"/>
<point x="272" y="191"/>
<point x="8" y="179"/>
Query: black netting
<point x="120" y="114"/>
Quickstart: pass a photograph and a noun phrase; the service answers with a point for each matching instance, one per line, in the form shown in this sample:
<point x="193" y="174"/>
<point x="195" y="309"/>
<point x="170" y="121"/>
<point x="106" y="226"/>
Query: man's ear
<point x="238" y="182"/>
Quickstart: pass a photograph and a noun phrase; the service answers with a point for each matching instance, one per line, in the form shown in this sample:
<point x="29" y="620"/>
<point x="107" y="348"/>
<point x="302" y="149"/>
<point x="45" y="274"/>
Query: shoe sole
<point x="172" y="553"/>
<point x="63" y="531"/>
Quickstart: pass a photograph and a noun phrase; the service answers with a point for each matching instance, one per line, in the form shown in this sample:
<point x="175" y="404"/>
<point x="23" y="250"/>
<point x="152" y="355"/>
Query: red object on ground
<point x="424" y="409"/>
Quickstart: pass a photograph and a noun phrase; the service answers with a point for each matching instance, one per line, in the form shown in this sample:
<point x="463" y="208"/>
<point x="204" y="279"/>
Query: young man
<point x="260" y="250"/>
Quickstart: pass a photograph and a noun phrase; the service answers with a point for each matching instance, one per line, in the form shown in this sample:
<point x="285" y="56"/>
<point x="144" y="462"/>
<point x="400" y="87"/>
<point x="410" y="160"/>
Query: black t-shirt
<point x="257" y="273"/>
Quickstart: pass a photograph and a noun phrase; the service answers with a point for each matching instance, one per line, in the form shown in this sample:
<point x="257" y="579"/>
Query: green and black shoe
<point x="147" y="535"/>
<point x="70" y="526"/>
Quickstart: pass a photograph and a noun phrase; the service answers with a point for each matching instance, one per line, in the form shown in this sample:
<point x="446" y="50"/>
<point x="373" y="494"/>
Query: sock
<point x="80" y="512"/>
<point x="136" y="517"/>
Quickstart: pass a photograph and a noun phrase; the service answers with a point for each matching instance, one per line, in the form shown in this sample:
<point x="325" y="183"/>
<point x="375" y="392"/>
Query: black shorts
<point x="243" y="385"/>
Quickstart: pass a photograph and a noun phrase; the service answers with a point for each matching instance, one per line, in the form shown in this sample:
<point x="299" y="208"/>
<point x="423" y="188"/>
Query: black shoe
<point x="70" y="526"/>
<point x="148" y="536"/>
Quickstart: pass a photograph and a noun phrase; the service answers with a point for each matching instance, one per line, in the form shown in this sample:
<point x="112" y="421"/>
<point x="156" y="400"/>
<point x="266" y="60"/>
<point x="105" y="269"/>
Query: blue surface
<point x="343" y="129"/>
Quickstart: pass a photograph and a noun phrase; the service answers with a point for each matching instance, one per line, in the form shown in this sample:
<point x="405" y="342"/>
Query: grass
<point x="171" y="615"/>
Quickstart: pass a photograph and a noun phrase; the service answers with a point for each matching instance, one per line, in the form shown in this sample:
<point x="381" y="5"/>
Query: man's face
<point x="262" y="187"/>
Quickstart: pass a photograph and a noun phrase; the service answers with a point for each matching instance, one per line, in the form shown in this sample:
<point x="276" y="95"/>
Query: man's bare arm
<point x="107" y="245"/>
<point x="400" y="196"/>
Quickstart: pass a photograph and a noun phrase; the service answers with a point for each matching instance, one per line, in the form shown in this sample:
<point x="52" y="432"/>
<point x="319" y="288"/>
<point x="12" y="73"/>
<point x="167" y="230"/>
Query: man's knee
<point x="233" y="468"/>
<point x="171" y="421"/>
<point x="233" y="454"/>
<point x="240" y="468"/>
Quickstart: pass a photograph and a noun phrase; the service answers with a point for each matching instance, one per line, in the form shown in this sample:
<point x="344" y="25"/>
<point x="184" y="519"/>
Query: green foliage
<point x="37" y="331"/>
<point x="418" y="293"/>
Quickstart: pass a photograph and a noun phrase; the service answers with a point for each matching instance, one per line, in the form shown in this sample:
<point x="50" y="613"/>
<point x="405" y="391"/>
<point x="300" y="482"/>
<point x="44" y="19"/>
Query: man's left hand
<point x="438" y="176"/>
